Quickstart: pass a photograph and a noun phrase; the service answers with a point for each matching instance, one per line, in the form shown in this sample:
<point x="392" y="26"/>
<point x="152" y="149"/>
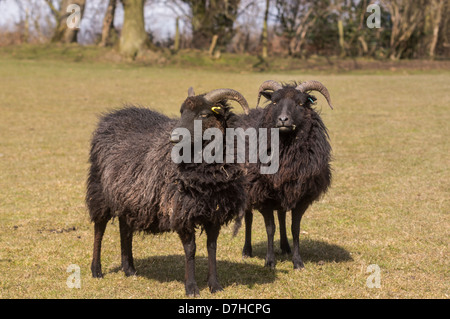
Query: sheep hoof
<point x="213" y="288"/>
<point x="193" y="294"/>
<point x="270" y="264"/>
<point x="299" y="266"/>
<point x="96" y="272"/>
<point x="97" y="275"/>
<point x="129" y="271"/>
<point x="192" y="290"/>
<point x="247" y="252"/>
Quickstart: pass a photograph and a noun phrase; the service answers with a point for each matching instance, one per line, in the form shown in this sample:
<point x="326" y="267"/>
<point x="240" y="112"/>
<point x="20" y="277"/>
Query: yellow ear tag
<point x="215" y="109"/>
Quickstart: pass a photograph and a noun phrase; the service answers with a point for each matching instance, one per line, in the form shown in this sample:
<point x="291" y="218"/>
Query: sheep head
<point x="289" y="104"/>
<point x="211" y="108"/>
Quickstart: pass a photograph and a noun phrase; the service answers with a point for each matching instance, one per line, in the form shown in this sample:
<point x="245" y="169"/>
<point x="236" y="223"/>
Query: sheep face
<point x="196" y="108"/>
<point x="211" y="109"/>
<point x="287" y="109"/>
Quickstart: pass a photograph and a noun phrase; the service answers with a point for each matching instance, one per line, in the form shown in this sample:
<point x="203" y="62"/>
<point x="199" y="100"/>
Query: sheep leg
<point x="126" y="247"/>
<point x="297" y="214"/>
<point x="188" y="240"/>
<point x="247" y="250"/>
<point x="212" y="232"/>
<point x="99" y="230"/>
<point x="284" y="243"/>
<point x="270" y="230"/>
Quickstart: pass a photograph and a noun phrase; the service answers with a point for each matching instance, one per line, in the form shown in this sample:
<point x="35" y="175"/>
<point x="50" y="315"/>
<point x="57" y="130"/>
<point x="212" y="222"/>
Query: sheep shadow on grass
<point x="314" y="251"/>
<point x="171" y="268"/>
<point x="167" y="268"/>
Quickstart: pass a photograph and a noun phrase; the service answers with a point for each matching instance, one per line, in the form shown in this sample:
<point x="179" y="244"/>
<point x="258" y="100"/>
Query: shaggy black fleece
<point x="132" y="174"/>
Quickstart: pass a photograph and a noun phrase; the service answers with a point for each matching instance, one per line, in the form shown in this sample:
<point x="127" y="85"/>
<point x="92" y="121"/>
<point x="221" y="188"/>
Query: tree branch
<point x="55" y="11"/>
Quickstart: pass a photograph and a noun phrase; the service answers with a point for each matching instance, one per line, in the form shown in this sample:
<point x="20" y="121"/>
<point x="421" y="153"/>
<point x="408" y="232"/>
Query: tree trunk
<point x="436" y="7"/>
<point x="264" y="32"/>
<point x="364" y="46"/>
<point x="63" y="33"/>
<point x="341" y="38"/>
<point x="109" y="35"/>
<point x="133" y="38"/>
<point x="201" y="25"/>
<point x="26" y="31"/>
<point x="176" y="45"/>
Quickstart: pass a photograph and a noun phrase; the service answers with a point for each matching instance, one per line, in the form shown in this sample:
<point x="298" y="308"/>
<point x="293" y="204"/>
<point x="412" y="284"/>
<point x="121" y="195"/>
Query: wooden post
<point x="176" y="45"/>
<point x="213" y="44"/>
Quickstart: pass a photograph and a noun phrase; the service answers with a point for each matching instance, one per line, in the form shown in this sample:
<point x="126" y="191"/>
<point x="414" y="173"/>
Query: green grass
<point x="389" y="203"/>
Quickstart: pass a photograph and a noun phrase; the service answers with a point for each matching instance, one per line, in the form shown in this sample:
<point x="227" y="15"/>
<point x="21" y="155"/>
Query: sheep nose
<point x="175" y="138"/>
<point x="283" y="118"/>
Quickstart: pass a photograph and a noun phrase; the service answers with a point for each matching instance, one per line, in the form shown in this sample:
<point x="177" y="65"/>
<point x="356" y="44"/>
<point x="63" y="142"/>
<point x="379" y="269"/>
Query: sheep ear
<point x="312" y="98"/>
<point x="216" y="109"/>
<point x="191" y="92"/>
<point x="267" y="95"/>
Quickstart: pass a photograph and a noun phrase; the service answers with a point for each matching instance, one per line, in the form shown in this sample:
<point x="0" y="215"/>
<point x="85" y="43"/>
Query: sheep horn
<point x="315" y="86"/>
<point x="268" y="85"/>
<point x="227" y="94"/>
<point x="191" y="91"/>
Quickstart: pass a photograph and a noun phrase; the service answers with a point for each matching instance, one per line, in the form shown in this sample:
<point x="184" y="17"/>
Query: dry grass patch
<point x="388" y="204"/>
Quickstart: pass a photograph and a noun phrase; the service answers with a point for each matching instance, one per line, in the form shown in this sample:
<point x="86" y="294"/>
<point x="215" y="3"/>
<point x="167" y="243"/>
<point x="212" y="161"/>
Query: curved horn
<point x="315" y="86"/>
<point x="268" y="85"/>
<point x="227" y="94"/>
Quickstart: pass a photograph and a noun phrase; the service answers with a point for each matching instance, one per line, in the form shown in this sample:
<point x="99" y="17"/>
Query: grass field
<point x="389" y="203"/>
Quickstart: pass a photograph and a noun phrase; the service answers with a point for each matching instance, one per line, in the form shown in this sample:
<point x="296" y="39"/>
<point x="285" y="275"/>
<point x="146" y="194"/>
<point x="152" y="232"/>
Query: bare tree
<point x="406" y="17"/>
<point x="264" y="36"/>
<point x="339" y="7"/>
<point x="212" y="17"/>
<point x="443" y="45"/>
<point x="109" y="35"/>
<point x="295" y="18"/>
<point x="247" y="28"/>
<point x="435" y="14"/>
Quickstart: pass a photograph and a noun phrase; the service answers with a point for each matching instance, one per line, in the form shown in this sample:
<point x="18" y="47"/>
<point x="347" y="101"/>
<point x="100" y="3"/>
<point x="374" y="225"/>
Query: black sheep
<point x="304" y="163"/>
<point x="132" y="177"/>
